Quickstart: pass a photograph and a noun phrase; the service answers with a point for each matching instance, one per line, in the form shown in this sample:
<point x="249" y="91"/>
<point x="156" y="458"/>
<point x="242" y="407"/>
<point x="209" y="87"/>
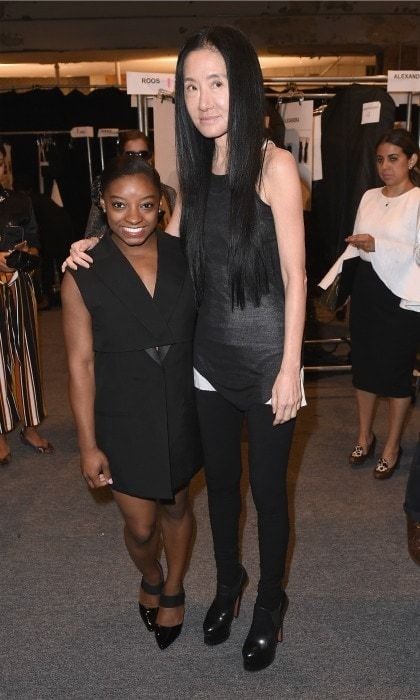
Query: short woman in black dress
<point x="385" y="301"/>
<point x="128" y="324"/>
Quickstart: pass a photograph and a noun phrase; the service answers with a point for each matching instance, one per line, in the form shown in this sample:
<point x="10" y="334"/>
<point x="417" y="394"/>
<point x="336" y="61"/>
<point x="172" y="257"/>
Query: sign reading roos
<point x="403" y="81"/>
<point x="149" y="83"/>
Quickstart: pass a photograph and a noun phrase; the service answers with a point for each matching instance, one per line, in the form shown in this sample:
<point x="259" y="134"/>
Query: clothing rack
<point x="293" y="82"/>
<point x="47" y="133"/>
<point x="316" y="81"/>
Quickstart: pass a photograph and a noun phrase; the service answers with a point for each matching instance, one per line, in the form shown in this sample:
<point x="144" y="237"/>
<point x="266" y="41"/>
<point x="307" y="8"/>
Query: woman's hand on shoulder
<point x="78" y="255"/>
<point x="95" y="468"/>
<point x="362" y="241"/>
<point x="286" y="396"/>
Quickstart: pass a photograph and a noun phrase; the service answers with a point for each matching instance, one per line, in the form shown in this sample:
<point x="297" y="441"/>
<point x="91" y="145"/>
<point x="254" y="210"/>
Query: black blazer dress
<point x="145" y="415"/>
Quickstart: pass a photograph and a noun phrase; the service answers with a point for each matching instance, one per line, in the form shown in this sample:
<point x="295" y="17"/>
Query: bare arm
<point x="282" y="191"/>
<point x="174" y="223"/>
<point x="77" y="329"/>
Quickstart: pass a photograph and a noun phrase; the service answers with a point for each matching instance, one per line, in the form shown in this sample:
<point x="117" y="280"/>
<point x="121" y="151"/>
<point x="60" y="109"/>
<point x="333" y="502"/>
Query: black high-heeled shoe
<point x="149" y="615"/>
<point x="259" y="648"/>
<point x="223" y="609"/>
<point x="167" y="635"/>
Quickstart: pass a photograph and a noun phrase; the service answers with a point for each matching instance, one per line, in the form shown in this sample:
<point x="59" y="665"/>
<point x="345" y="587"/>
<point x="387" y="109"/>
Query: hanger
<point x="291" y="94"/>
<point x="165" y="95"/>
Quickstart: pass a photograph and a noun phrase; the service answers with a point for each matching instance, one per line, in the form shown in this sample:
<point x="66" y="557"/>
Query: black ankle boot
<point x="223" y="609"/>
<point x="266" y="630"/>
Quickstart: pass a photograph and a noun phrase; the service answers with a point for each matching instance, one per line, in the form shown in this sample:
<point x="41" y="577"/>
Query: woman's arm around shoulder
<point x="281" y="189"/>
<point x="78" y="339"/>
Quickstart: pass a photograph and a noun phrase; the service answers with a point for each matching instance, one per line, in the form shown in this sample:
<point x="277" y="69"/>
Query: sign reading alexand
<point x="403" y="81"/>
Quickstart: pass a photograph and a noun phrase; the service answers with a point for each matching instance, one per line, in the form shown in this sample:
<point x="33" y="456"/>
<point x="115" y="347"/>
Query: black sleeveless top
<point x="238" y="351"/>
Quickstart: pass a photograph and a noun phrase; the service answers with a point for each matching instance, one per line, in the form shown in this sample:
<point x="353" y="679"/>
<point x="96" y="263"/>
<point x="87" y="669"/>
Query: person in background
<point x="385" y="299"/>
<point x="128" y="332"/>
<point x="56" y="234"/>
<point x="412" y="494"/>
<point x="21" y="397"/>
<point x="412" y="506"/>
<point x="134" y="143"/>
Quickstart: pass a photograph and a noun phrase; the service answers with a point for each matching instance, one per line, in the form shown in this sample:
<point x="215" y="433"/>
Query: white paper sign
<point x="403" y="81"/>
<point x="371" y="112"/>
<point x="108" y="133"/>
<point x="298" y="120"/>
<point x="149" y="83"/>
<point x="81" y="132"/>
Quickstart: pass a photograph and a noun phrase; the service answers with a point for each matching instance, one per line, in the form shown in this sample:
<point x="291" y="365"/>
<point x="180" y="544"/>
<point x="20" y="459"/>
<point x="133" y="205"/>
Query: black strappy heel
<point x="149" y="615"/>
<point x="167" y="635"/>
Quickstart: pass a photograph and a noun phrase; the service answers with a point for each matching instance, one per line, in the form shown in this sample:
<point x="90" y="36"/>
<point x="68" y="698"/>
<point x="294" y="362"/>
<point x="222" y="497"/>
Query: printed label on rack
<point x="81" y="132"/>
<point x="149" y="83"/>
<point x="403" y="81"/>
<point x="371" y="112"/>
<point x="108" y="133"/>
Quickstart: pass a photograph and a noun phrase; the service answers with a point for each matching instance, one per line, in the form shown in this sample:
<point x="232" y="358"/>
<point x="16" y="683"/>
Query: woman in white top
<point x="385" y="302"/>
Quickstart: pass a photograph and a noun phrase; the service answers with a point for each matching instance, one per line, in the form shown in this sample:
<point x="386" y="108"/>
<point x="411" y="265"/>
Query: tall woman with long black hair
<point x="241" y="224"/>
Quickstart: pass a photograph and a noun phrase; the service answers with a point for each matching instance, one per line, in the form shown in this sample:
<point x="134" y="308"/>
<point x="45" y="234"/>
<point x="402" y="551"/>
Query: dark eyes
<point x="380" y="159"/>
<point x="122" y="205"/>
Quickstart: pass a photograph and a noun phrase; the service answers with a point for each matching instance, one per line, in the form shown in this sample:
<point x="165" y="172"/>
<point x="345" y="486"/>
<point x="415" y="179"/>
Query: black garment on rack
<point x="348" y="162"/>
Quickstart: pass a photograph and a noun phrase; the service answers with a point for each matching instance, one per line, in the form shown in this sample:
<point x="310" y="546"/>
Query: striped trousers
<point x="20" y="375"/>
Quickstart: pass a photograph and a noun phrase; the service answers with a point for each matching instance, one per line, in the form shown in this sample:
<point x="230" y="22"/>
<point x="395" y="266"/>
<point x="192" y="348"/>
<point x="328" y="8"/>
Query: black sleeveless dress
<point x="238" y="351"/>
<point x="145" y="417"/>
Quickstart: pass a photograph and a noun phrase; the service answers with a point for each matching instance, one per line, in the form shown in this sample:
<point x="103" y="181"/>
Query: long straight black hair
<point x="247" y="271"/>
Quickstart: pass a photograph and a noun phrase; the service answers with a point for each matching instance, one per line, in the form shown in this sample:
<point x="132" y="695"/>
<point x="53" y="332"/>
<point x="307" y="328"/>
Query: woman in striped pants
<point x="20" y="380"/>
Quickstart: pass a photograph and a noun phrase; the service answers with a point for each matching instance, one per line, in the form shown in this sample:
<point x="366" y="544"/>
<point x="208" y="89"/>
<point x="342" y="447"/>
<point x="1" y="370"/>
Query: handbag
<point x="10" y="236"/>
<point x="22" y="261"/>
<point x="338" y="292"/>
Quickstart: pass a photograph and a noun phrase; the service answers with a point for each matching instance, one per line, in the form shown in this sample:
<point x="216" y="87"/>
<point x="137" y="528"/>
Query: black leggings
<point x="220" y="425"/>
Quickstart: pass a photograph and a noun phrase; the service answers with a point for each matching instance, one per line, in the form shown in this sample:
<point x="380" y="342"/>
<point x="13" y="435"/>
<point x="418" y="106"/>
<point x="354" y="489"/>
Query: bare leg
<point x="397" y="412"/>
<point x="4" y="447"/>
<point x="141" y="539"/>
<point x="366" y="407"/>
<point x="176" y="523"/>
<point x="32" y="435"/>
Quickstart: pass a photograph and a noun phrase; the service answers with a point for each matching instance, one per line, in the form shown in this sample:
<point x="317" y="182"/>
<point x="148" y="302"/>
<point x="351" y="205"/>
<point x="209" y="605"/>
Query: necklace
<point x="394" y="196"/>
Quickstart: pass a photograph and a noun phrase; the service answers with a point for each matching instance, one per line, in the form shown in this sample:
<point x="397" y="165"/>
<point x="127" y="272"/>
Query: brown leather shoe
<point x="413" y="539"/>
<point x="358" y="457"/>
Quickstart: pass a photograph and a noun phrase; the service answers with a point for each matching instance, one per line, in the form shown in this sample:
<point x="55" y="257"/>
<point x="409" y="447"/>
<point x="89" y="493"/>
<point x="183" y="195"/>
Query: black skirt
<point x="383" y="337"/>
